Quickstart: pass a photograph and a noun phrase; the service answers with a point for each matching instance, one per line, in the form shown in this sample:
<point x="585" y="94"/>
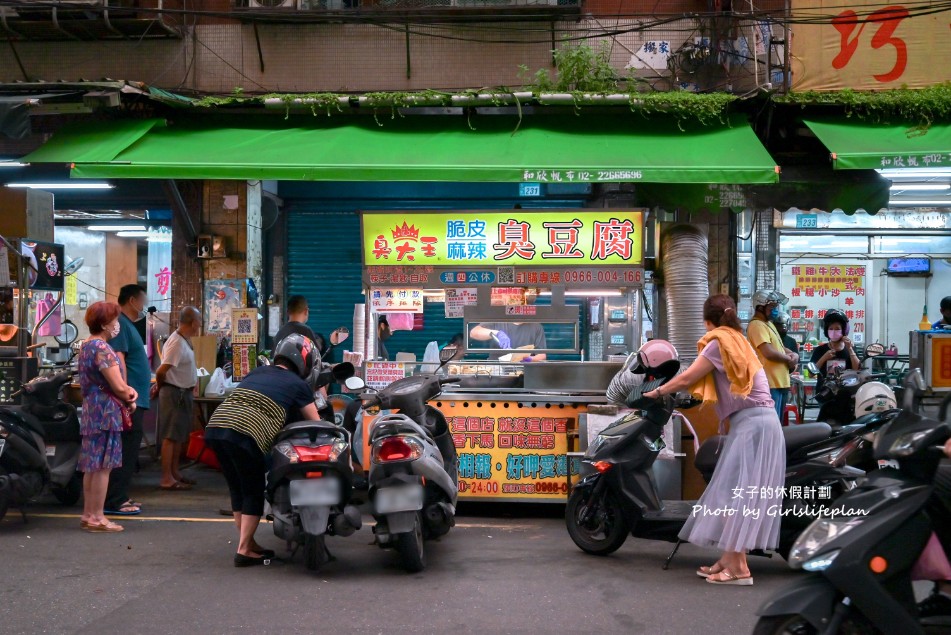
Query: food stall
<point x="574" y="278"/>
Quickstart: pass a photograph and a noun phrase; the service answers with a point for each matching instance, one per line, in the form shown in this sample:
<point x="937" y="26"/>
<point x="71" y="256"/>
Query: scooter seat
<point x="801" y="435"/>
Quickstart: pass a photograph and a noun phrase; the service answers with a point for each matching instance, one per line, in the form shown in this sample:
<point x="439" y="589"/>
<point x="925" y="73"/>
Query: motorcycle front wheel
<point x="604" y="532"/>
<point x="799" y="625"/>
<point x="69" y="494"/>
<point x="410" y="547"/>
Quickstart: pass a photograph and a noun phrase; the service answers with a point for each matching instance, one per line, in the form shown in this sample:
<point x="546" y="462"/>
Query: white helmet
<point x="874" y="397"/>
<point x="657" y="357"/>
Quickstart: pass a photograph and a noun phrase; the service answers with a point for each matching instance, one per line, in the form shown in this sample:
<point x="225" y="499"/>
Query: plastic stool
<point x="790" y="408"/>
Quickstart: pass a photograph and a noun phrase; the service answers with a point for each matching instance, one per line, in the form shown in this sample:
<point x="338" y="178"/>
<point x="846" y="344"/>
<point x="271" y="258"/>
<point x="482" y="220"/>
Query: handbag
<point x="124" y="410"/>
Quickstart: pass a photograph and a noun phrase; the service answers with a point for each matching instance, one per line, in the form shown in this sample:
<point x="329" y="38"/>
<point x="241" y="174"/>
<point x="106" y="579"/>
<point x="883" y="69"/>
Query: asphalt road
<point x="502" y="569"/>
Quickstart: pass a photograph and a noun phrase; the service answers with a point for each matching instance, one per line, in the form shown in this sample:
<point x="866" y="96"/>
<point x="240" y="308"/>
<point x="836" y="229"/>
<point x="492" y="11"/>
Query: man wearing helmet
<point x="777" y="360"/>
<point x="243" y="427"/>
<point x="838" y="352"/>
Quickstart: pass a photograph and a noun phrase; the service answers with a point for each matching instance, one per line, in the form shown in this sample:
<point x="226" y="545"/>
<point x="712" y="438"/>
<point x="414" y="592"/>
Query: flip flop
<point x="187" y="481"/>
<point x="177" y="486"/>
<point x="126" y="509"/>
<point x="732" y="579"/>
<point x="706" y="572"/>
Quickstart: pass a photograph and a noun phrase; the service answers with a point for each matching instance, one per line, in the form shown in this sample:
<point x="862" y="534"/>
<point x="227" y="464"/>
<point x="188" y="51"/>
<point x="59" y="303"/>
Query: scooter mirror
<point x="447" y="353"/>
<point x="343" y="371"/>
<point x="354" y="384"/>
<point x="68" y="334"/>
<point x="874" y="350"/>
<point x="263" y="360"/>
<point x="339" y="335"/>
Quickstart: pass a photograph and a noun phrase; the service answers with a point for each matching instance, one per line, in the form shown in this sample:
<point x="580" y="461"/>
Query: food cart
<point x="575" y="275"/>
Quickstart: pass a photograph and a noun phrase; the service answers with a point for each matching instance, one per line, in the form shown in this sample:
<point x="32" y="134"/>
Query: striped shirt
<point x="262" y="403"/>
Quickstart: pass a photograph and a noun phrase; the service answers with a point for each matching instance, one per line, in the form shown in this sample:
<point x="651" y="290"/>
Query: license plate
<point x="51" y="450"/>
<point x="398" y="499"/>
<point x="3" y="444"/>
<point x="315" y="491"/>
<point x="883" y="463"/>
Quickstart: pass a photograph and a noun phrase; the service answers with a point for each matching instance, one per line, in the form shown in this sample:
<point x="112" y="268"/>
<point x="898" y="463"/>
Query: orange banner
<point x="872" y="46"/>
<point x="511" y="451"/>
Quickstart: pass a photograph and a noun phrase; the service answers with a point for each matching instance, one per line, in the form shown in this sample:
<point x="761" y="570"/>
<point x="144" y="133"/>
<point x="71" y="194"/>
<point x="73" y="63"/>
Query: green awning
<point x="503" y="149"/>
<point x="857" y="145"/>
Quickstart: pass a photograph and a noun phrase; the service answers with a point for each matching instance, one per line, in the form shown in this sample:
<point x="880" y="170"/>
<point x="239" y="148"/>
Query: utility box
<point x="931" y="352"/>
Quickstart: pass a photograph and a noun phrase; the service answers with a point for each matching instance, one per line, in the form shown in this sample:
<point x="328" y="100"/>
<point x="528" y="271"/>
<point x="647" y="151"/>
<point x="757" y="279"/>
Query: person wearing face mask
<point x="105" y="394"/>
<point x="777" y="360"/>
<point x="130" y="348"/>
<point x="838" y="352"/>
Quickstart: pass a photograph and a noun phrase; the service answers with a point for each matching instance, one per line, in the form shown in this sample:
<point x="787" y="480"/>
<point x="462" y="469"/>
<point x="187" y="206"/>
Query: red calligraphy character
<point x="835" y="293"/>
<point x="612" y="237"/>
<point x="849" y="301"/>
<point x="796" y="292"/>
<point x="381" y="248"/>
<point x="810" y="314"/>
<point x="514" y="241"/>
<point x="164" y="280"/>
<point x="429" y="246"/>
<point x="890" y="19"/>
<point x="563" y="239"/>
<point x="850" y="314"/>
<point x="810" y="271"/>
<point x="796" y="271"/>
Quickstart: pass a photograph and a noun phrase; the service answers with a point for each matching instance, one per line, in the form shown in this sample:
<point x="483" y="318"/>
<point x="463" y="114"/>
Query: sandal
<point x="187" y="481"/>
<point x="728" y="577"/>
<point x="127" y="508"/>
<point x="107" y="527"/>
<point x="706" y="572"/>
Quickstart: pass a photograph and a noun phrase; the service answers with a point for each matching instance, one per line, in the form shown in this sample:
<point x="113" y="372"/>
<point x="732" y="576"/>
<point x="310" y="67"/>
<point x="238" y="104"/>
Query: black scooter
<point x="622" y="497"/>
<point x="39" y="445"/>
<point x="861" y="557"/>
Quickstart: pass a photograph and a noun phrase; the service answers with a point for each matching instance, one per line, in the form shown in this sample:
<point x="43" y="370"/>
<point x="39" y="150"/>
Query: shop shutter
<point x="324" y="257"/>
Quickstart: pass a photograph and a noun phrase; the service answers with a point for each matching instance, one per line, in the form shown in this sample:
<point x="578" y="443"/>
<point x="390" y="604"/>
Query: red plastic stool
<point x="790" y="408"/>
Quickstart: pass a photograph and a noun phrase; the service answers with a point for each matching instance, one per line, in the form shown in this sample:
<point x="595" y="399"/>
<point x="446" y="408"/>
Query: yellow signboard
<point x="512" y="237"/>
<point x="873" y="46"/>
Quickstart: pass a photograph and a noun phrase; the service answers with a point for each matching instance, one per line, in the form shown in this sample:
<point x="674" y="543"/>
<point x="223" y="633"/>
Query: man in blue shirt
<point x="131" y="351"/>
<point x="945" y="321"/>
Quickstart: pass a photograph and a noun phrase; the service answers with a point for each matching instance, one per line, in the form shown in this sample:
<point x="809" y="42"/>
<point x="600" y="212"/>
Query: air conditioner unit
<point x="272" y="4"/>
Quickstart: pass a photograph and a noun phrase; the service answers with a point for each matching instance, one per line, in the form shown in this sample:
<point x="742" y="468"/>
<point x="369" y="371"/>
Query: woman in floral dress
<point x="103" y="387"/>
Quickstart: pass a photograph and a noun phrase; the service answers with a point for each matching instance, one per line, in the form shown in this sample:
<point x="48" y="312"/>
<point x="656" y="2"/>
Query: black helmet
<point x="298" y="352"/>
<point x="835" y="316"/>
<point x="781" y="321"/>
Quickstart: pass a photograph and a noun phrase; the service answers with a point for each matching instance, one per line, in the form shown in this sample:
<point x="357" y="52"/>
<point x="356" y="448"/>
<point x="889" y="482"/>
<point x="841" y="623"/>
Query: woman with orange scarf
<point x="739" y="511"/>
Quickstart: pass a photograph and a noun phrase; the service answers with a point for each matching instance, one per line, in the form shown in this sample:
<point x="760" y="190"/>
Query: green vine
<point x="923" y="106"/>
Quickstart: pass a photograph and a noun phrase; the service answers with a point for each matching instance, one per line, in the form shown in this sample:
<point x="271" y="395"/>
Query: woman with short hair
<point x="105" y="393"/>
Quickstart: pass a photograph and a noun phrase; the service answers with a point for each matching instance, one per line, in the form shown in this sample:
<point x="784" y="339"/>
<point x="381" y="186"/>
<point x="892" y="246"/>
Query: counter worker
<point x="945" y="321"/>
<point x="512" y="335"/>
<point x="777" y="360"/>
<point x="298" y="312"/>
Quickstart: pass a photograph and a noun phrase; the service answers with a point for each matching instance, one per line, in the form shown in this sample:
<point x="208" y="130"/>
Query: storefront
<point x="573" y="278"/>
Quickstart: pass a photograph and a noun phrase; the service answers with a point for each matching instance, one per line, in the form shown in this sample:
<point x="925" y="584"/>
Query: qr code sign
<point x="244" y="327"/>
<point x="506" y="275"/>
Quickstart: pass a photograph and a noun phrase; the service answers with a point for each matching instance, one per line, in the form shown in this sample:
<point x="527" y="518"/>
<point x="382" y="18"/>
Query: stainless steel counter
<point x="523" y="396"/>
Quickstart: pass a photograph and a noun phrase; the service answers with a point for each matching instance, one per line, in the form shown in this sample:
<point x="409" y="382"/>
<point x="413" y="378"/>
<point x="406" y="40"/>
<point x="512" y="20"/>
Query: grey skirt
<point x="741" y="508"/>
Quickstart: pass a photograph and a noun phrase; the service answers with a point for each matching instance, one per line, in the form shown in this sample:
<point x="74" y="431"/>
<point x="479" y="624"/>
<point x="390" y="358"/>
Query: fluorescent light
<point x="133" y="234"/>
<point x="589" y="292"/>
<point x="935" y="202"/>
<point x="900" y="241"/>
<point x="921" y="186"/>
<point x="12" y="164"/>
<point x="117" y="228"/>
<point x="78" y="185"/>
<point x="914" y="173"/>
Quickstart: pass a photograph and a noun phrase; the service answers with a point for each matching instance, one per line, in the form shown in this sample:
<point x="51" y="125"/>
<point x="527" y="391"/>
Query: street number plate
<point x="398" y="499"/>
<point x="315" y="491"/>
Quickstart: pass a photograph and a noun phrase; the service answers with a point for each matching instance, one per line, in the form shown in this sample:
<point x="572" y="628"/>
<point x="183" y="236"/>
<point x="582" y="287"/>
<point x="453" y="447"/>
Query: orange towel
<point x="739" y="362"/>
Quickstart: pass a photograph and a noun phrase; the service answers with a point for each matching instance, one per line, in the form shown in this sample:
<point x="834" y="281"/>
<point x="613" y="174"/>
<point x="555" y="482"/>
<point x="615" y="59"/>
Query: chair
<point x="793" y="410"/>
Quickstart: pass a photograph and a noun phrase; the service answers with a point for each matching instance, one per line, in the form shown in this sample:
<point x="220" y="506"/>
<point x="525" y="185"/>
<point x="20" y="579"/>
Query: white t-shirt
<point x="178" y="353"/>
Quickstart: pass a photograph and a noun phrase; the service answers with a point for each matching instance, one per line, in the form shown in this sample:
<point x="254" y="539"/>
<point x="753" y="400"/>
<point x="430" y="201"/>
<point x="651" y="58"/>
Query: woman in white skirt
<point x="738" y="511"/>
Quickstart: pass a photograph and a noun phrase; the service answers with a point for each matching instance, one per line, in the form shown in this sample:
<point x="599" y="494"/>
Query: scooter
<point x="621" y="497"/>
<point x="310" y="482"/>
<point x="413" y="480"/>
<point x="837" y="395"/>
<point x="39" y="445"/>
<point x="861" y="555"/>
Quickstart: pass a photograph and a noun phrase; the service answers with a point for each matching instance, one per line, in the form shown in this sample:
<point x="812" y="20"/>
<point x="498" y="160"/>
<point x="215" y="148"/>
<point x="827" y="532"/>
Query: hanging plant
<point x="922" y="106"/>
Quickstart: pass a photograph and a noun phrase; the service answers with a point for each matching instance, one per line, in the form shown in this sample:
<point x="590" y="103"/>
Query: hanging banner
<point x="817" y="288"/>
<point x="873" y="46"/>
<point x="459" y="298"/>
<point x="513" y="237"/>
<point x="396" y="300"/>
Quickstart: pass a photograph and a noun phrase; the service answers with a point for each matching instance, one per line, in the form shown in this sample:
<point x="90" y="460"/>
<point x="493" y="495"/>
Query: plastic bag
<point x="430" y="358"/>
<point x="216" y="385"/>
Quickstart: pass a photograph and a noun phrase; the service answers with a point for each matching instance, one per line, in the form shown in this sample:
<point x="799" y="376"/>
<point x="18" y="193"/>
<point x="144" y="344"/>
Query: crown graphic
<point x="406" y="232"/>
